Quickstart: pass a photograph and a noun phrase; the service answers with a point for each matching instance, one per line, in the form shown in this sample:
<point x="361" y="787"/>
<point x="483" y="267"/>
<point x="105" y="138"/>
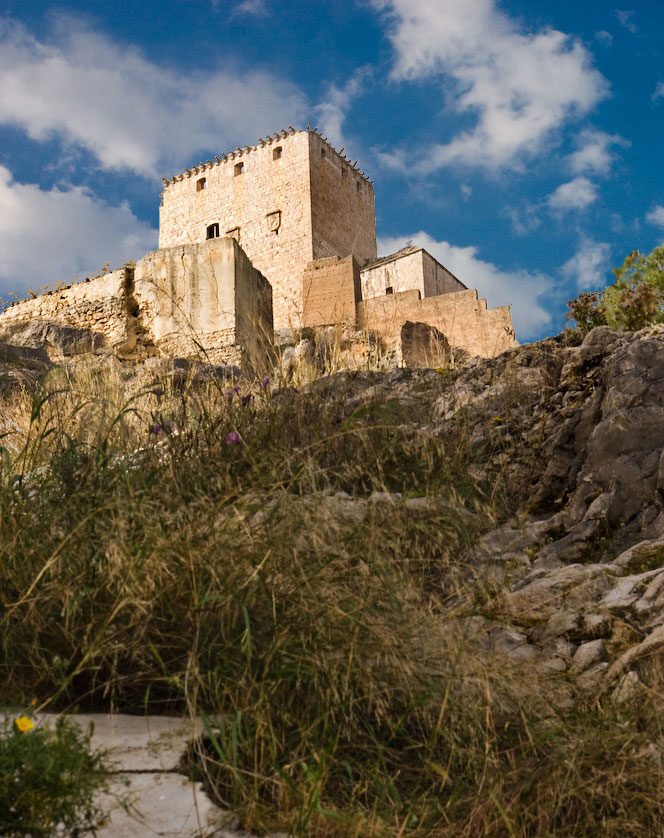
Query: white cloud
<point x="624" y="18"/>
<point x="594" y="153"/>
<point x="656" y="216"/>
<point x="589" y="265"/>
<point x="659" y="91"/>
<point x="519" y="87"/>
<point x="603" y="37"/>
<point x="129" y="111"/>
<point x="523" y="220"/>
<point x="466" y="191"/>
<point x="577" y="194"/>
<point x="249" y="7"/>
<point x="520" y="289"/>
<point x="49" y="236"/>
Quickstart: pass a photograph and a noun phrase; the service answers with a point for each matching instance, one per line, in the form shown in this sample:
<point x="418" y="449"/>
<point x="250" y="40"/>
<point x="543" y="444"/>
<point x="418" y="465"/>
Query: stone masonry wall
<point x="267" y="208"/>
<point x="205" y="299"/>
<point x="285" y="203"/>
<point x="343" y="213"/>
<point x="98" y="305"/>
<point x="330" y="291"/>
<point x="461" y="317"/>
<point x="410" y="269"/>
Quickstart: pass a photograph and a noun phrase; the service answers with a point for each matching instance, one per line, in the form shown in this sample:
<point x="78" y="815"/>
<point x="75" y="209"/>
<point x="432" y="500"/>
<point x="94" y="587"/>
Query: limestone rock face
<point x="56" y="340"/>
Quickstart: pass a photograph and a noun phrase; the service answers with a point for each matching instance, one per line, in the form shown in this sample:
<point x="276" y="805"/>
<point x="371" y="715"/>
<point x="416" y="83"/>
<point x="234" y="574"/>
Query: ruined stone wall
<point x="331" y="291"/>
<point x="204" y="299"/>
<point x="343" y="213"/>
<point x="267" y="208"/>
<point x="98" y="305"/>
<point x="461" y="317"/>
<point x="410" y="269"/>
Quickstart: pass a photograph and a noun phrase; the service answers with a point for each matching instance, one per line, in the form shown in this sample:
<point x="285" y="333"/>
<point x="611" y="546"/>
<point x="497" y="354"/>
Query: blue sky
<point x="519" y="142"/>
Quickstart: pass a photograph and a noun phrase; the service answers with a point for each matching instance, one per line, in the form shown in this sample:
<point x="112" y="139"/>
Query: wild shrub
<point x="48" y="779"/>
<point x="635" y="300"/>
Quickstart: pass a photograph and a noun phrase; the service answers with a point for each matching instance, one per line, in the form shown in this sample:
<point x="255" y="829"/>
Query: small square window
<point x="277" y="153"/>
<point x="212" y="231"/>
<point x="239" y="169"/>
<point x="200" y="184"/>
<point x="389" y="290"/>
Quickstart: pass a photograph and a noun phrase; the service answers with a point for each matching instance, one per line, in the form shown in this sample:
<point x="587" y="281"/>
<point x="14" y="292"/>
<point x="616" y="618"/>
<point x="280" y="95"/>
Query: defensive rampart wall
<point x="461" y="317"/>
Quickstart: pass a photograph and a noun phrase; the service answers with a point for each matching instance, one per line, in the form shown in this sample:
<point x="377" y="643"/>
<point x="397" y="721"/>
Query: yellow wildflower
<point x="24" y="724"/>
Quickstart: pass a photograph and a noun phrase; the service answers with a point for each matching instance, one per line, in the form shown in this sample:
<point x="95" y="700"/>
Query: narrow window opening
<point x="239" y="169"/>
<point x="201" y="184"/>
<point x="322" y="154"/>
<point x="359" y="186"/>
<point x="212" y="231"/>
<point x="343" y="172"/>
<point x="389" y="290"/>
<point x="277" y="153"/>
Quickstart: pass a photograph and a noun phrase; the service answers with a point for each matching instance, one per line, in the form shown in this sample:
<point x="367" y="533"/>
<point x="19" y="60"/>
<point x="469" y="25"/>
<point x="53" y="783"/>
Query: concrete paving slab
<point x="141" y="743"/>
<point x="165" y="805"/>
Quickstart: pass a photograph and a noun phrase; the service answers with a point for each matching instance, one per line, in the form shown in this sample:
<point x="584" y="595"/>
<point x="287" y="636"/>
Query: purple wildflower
<point x="236" y="389"/>
<point x="155" y="428"/>
<point x="233" y="438"/>
<point x="246" y="399"/>
<point x="265" y="381"/>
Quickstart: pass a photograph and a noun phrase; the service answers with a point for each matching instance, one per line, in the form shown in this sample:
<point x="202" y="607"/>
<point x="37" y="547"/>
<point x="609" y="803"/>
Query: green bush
<point x="48" y="779"/>
<point x="635" y="300"/>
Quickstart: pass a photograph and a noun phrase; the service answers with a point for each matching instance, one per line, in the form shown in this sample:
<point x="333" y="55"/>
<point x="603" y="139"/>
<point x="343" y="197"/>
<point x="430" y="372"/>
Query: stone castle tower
<point x="257" y="243"/>
<point x="288" y="201"/>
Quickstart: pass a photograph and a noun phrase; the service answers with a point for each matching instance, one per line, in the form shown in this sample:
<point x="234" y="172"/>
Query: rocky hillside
<point x="344" y="555"/>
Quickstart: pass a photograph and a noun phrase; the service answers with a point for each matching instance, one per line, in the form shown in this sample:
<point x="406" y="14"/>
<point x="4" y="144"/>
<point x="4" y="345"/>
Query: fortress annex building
<point x="260" y="242"/>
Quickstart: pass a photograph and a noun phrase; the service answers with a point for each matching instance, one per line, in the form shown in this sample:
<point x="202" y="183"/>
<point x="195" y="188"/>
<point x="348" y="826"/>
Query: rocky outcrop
<point x="574" y="581"/>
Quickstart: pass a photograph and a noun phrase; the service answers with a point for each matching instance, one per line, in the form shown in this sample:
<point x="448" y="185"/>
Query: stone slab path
<point x="148" y="794"/>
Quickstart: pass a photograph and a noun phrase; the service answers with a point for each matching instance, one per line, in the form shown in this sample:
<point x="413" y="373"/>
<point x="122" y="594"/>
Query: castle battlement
<point x="269" y="140"/>
<point x="288" y="200"/>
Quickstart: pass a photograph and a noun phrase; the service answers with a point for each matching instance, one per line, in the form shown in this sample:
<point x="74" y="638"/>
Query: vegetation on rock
<point x="379" y="590"/>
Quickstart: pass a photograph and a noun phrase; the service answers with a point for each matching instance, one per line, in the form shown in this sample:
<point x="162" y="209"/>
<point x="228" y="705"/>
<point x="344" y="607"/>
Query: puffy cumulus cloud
<point x="594" y="154"/>
<point x="520" y="289"/>
<point x="577" y="194"/>
<point x="518" y="87"/>
<point x="47" y="236"/>
<point x="130" y="112"/>
<point x="656" y="216"/>
<point x="588" y="267"/>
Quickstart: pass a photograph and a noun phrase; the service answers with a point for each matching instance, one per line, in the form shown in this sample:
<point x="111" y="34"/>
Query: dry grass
<point x="310" y="628"/>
